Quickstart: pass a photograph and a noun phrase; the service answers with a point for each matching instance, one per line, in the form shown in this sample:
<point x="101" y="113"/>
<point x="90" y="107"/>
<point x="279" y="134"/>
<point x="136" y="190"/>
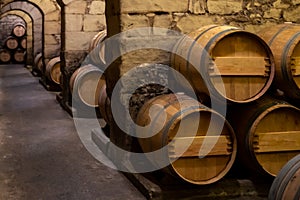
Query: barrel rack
<point x="227" y="188"/>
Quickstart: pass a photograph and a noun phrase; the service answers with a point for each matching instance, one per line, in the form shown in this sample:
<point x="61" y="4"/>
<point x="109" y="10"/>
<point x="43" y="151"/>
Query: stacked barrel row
<point x="227" y="68"/>
<point x="14" y="47"/>
<point x="224" y="63"/>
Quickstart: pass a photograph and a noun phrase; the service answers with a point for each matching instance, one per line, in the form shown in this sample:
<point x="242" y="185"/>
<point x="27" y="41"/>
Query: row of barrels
<point x="52" y="69"/>
<point x="263" y="133"/>
<point x="260" y="140"/>
<point x="14" y="47"/>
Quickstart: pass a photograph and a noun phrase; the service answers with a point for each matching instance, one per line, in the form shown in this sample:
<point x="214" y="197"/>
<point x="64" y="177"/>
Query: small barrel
<point x="183" y="113"/>
<point x="38" y="62"/>
<point x="225" y="62"/>
<point x="85" y="84"/>
<point x="19" y="30"/>
<point x="5" y="56"/>
<point x="11" y="43"/>
<point x="286" y="185"/>
<point x="19" y="56"/>
<point x="53" y="72"/>
<point x="268" y="134"/>
<point x="23" y="43"/>
<point x="99" y="37"/>
<point x="284" y="40"/>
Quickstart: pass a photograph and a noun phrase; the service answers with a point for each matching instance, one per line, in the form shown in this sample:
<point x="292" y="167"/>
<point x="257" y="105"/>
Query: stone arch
<point x="29" y="36"/>
<point x="37" y="18"/>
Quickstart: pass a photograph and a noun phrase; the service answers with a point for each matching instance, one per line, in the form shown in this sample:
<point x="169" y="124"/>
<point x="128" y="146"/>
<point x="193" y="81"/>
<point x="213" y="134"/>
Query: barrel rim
<point x="176" y="119"/>
<point x="90" y="69"/>
<point x="250" y="134"/>
<point x="280" y="180"/>
<point x="49" y="68"/>
<point x="231" y="158"/>
<point x="268" y="52"/>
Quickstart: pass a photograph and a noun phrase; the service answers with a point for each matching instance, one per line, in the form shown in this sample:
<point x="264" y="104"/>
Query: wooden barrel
<point x="96" y="55"/>
<point x="23" y="43"/>
<point x="19" y="55"/>
<point x="99" y="37"/>
<point x="38" y="62"/>
<point x="53" y="72"/>
<point x="188" y="165"/>
<point x="5" y="56"/>
<point x="284" y="40"/>
<point x="11" y="43"/>
<point x="85" y="85"/>
<point x="19" y="30"/>
<point x="242" y="60"/>
<point x="286" y="185"/>
<point x="268" y="134"/>
<point x="104" y="104"/>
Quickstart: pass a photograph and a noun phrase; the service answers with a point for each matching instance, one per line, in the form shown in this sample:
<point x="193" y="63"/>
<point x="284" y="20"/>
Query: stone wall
<point x="81" y="21"/>
<point x="182" y="16"/>
<point x="187" y="15"/>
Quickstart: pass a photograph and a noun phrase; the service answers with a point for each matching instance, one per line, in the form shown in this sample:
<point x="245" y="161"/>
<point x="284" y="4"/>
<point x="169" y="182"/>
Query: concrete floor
<point x="41" y="156"/>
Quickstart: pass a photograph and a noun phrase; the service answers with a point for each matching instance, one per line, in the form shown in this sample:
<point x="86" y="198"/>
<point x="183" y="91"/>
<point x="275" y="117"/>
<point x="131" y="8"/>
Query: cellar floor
<point x="41" y="156"/>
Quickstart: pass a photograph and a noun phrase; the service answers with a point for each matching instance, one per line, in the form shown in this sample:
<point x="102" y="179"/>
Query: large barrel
<point x="53" y="72"/>
<point x="99" y="37"/>
<point x="268" y="134"/>
<point x="286" y="185"/>
<point x="85" y="84"/>
<point x="184" y="113"/>
<point x="11" y="43"/>
<point x="19" y="55"/>
<point x="5" y="56"/>
<point x="242" y="60"/>
<point x="19" y="30"/>
<point x="38" y="62"/>
<point x="284" y="40"/>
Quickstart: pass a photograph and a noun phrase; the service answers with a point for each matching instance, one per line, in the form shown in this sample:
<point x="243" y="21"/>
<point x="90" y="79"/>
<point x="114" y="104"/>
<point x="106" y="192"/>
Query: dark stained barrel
<point x="286" y="185"/>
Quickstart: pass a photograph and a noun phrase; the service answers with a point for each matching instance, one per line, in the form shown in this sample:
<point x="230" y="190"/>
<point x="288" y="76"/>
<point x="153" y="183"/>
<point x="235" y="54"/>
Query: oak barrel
<point x="284" y="40"/>
<point x="104" y="104"/>
<point x="268" y="134"/>
<point x="234" y="64"/>
<point x="23" y="43"/>
<point x="183" y="113"/>
<point x="53" y="72"/>
<point x="85" y="84"/>
<point x="38" y="62"/>
<point x="11" y="43"/>
<point x="286" y="185"/>
<point x="19" y="30"/>
<point x="5" y="56"/>
<point x="99" y="37"/>
<point x="19" y="55"/>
